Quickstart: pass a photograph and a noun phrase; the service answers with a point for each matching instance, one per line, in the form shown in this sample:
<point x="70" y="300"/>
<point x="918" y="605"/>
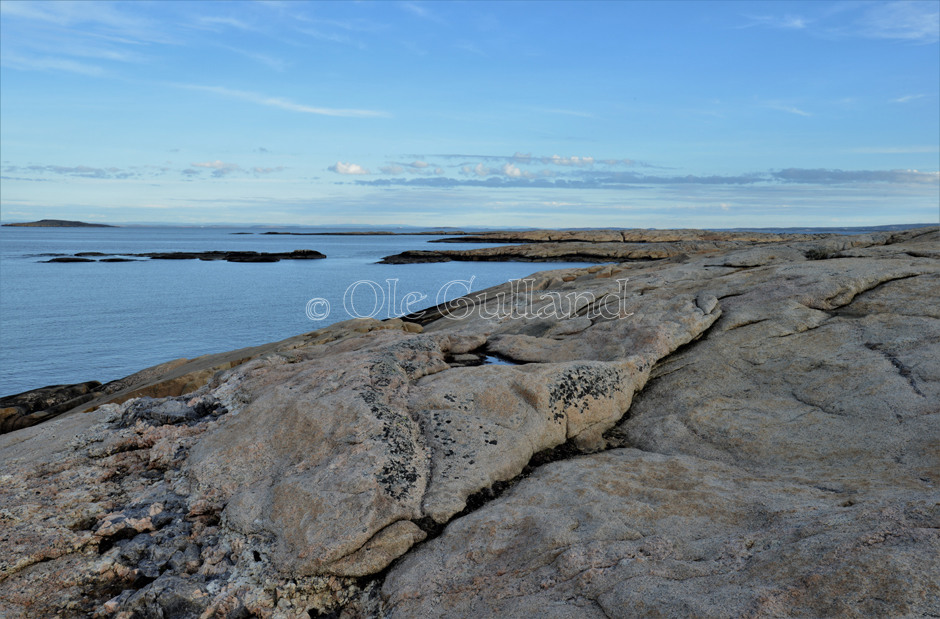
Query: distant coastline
<point x="57" y="223"/>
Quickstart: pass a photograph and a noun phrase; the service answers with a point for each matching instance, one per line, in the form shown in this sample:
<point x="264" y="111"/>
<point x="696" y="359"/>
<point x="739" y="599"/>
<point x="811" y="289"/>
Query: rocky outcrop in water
<point x="744" y="432"/>
<point x="228" y="256"/>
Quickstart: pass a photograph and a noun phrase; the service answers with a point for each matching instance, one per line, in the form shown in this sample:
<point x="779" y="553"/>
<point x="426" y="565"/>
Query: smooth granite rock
<point x="742" y="432"/>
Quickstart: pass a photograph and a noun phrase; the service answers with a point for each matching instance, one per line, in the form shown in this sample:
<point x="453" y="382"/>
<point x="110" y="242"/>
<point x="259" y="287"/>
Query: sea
<point x="64" y="323"/>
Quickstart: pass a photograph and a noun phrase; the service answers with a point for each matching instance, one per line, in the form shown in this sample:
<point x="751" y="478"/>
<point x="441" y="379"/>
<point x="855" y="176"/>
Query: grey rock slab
<point x="627" y="533"/>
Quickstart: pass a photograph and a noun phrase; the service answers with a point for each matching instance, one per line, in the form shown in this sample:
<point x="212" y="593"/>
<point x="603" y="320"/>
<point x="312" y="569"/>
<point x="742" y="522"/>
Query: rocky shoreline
<point x="611" y="245"/>
<point x="737" y="427"/>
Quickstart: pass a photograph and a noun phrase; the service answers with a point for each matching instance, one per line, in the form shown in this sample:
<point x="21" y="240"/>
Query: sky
<point x="496" y="114"/>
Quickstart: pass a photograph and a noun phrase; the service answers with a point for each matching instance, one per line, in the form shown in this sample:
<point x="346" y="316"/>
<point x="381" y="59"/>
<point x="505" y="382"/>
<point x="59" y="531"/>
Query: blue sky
<point x="624" y="114"/>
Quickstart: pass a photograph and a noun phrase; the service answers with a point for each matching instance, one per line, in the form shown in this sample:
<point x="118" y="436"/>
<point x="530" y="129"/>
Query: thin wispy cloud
<point x="217" y="23"/>
<point x="420" y="10"/>
<point x="281" y="103"/>
<point x="79" y="171"/>
<point x="786" y="22"/>
<point x="219" y="168"/>
<point x="917" y="22"/>
<point x="827" y="176"/>
<point x="905" y="20"/>
<point x="789" y="109"/>
<point x="46" y="63"/>
<point x="527" y="158"/>
<point x="511" y="176"/>
<point x="895" y="150"/>
<point x="332" y="37"/>
<point x="907" y="98"/>
<point x="95" y="18"/>
<point x="272" y="62"/>
<point x="215" y="169"/>
<point x="563" y="112"/>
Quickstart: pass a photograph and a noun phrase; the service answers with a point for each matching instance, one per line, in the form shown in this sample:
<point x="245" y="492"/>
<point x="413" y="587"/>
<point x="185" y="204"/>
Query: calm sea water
<point x="67" y="323"/>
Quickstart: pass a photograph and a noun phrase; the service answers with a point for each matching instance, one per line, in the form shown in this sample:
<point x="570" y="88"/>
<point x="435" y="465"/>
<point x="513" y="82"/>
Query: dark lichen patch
<point x="579" y="383"/>
<point x="399" y="475"/>
<point x="821" y="253"/>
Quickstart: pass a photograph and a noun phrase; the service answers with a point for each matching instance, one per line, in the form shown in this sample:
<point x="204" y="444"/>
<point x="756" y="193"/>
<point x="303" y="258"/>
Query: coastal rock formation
<point x="228" y="256"/>
<point x="555" y="251"/>
<point x="31" y="407"/>
<point x="622" y="245"/>
<point x="626" y="236"/>
<point x="744" y="432"/>
<point x="173" y="378"/>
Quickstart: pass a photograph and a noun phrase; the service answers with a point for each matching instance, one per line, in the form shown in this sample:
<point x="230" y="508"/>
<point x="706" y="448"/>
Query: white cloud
<point x="348" y="168"/>
<point x="392" y="169"/>
<point x="578" y="162"/>
<point x="478" y="170"/>
<point x="513" y="171"/>
<point x="789" y="109"/>
<point x="907" y="98"/>
<point x="284" y="104"/>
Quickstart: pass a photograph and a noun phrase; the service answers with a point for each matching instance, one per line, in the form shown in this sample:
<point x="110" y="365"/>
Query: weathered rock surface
<point x="784" y="464"/>
<point x="173" y="378"/>
<point x="744" y="432"/>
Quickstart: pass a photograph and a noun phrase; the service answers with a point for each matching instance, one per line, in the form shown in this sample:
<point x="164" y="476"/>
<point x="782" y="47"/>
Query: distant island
<point x="58" y="223"/>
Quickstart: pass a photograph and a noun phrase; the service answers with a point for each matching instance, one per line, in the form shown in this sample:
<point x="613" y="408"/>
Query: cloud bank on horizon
<point x="553" y="114"/>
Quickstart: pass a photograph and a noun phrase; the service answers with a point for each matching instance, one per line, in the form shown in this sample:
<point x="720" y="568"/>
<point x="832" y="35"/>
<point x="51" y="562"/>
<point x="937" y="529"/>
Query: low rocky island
<point x="751" y="430"/>
<point x="57" y="223"/>
<point x="228" y="256"/>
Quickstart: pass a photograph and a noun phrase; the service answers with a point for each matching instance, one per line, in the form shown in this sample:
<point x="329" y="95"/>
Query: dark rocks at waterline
<point x="418" y="256"/>
<point x="238" y="256"/>
<point x="228" y="256"/>
<point x="26" y="409"/>
<point x="565" y="251"/>
<point x="69" y="259"/>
